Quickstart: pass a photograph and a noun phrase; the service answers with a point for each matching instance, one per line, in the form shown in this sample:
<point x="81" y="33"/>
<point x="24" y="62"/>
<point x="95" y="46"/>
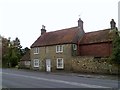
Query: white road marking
<point x="59" y="81"/>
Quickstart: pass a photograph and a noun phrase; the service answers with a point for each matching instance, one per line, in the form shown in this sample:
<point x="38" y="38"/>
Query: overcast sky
<point x="24" y="18"/>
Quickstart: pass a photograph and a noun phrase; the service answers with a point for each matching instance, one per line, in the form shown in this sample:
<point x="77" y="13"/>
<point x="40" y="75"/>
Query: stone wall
<point x="93" y="65"/>
<point x="49" y="52"/>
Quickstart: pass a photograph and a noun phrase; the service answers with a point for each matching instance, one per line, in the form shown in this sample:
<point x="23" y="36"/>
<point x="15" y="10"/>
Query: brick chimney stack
<point x="80" y="23"/>
<point x="43" y="30"/>
<point x="112" y="24"/>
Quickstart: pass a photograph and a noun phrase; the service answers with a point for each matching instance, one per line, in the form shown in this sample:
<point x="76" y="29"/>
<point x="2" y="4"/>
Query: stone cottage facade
<point x="54" y="51"/>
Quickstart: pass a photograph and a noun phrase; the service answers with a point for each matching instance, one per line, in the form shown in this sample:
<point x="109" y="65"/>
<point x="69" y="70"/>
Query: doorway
<point x="48" y="65"/>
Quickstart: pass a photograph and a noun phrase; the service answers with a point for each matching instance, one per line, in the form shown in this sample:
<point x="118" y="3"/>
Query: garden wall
<point x="87" y="64"/>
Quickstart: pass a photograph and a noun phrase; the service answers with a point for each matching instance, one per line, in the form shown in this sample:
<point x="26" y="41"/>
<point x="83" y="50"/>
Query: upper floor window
<point x="36" y="50"/>
<point x="59" y="48"/>
<point x="74" y="47"/>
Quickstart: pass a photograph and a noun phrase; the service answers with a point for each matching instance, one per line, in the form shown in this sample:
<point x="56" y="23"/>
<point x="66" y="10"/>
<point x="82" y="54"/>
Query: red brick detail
<point x="96" y="49"/>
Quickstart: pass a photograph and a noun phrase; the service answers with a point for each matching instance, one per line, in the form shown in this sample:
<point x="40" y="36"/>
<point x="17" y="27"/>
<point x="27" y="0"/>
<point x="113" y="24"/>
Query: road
<point x="13" y="78"/>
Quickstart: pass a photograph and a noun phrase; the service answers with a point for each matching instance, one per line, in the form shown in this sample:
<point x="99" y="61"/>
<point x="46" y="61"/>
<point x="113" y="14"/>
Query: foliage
<point x="11" y="52"/>
<point x="115" y="57"/>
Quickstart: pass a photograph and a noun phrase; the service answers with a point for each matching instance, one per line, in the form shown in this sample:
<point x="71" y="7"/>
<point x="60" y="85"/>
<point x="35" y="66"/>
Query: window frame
<point x="74" y="47"/>
<point x="62" y="66"/>
<point x="27" y="63"/>
<point x="59" y="48"/>
<point x="36" y="50"/>
<point x="34" y="63"/>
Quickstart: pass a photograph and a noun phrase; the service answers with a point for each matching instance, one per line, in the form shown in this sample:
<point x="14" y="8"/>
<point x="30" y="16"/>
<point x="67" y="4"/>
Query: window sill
<point x="59" y="68"/>
<point x="36" y="66"/>
<point x="36" y="53"/>
<point x="59" y="52"/>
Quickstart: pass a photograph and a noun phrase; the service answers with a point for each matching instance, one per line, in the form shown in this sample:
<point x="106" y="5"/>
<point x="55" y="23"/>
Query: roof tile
<point x="96" y="36"/>
<point x="63" y="36"/>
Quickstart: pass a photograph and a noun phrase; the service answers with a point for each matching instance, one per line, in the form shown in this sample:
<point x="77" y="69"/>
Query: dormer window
<point x="59" y="48"/>
<point x="36" y="50"/>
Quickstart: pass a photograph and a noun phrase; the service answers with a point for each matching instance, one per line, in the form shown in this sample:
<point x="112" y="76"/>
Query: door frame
<point x="48" y="65"/>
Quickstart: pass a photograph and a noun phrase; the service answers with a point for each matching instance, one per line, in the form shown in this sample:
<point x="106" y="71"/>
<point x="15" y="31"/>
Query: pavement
<point x="86" y="75"/>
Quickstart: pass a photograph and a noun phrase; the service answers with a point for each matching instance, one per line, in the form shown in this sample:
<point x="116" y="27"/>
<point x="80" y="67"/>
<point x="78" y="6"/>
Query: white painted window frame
<point x="62" y="66"/>
<point x="36" y="61"/>
<point x="59" y="48"/>
<point x="74" y="47"/>
<point x="36" y="50"/>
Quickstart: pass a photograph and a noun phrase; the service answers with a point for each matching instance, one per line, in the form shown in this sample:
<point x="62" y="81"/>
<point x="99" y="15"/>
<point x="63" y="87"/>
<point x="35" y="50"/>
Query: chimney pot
<point x="43" y="30"/>
<point x="112" y="24"/>
<point x="80" y="23"/>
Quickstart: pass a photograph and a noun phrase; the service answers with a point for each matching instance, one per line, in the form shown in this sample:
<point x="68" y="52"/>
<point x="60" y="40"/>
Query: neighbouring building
<point x="97" y="44"/>
<point x="53" y="51"/>
<point x="25" y="61"/>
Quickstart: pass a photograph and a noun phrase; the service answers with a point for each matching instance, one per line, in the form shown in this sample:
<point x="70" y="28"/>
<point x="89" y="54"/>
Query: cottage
<point x="54" y="51"/>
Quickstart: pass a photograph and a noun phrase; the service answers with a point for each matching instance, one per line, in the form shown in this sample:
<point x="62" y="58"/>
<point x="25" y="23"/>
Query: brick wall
<point x="96" y="49"/>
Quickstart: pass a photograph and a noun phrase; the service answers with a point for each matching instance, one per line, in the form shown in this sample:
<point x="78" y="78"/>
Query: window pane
<point x="36" y="63"/>
<point x="59" y="63"/>
<point x="74" y="47"/>
<point x="36" y="50"/>
<point x="58" y="48"/>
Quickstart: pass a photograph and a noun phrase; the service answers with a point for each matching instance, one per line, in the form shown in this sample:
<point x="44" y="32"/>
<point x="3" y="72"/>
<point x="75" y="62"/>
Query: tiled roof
<point x="63" y="36"/>
<point x="26" y="57"/>
<point x="97" y="36"/>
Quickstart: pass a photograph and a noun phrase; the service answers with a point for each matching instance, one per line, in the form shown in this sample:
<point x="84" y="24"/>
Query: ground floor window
<point x="36" y="62"/>
<point x="27" y="63"/>
<point x="60" y="63"/>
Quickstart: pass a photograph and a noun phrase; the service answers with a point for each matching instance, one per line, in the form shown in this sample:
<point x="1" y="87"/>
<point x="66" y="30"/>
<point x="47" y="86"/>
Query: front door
<point x="48" y="65"/>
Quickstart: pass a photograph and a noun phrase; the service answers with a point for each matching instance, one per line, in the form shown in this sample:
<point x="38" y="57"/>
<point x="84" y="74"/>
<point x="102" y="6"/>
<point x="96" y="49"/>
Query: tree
<point x="18" y="47"/>
<point x="11" y="52"/>
<point x="25" y="50"/>
<point x="115" y="57"/>
<point x="5" y="51"/>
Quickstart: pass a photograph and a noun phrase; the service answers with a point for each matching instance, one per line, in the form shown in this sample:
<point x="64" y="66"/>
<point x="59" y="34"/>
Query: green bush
<point x="115" y="57"/>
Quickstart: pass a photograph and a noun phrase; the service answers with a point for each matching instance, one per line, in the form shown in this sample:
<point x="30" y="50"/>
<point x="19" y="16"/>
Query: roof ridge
<point x="62" y="29"/>
<point x="97" y="31"/>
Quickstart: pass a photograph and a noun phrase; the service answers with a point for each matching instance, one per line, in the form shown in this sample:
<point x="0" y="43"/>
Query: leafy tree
<point x="115" y="57"/>
<point x="17" y="47"/>
<point x="5" y="51"/>
<point x="13" y="58"/>
<point x="11" y="52"/>
<point x="25" y="50"/>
